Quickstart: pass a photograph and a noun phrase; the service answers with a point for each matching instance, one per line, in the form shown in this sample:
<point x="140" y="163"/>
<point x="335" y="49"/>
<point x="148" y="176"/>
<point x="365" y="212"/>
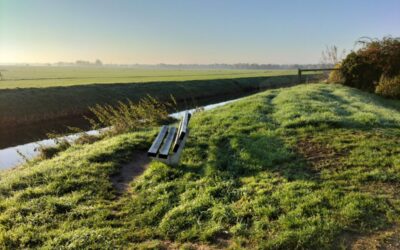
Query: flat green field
<point x="51" y="76"/>
<point x="309" y="167"/>
<point x="22" y="106"/>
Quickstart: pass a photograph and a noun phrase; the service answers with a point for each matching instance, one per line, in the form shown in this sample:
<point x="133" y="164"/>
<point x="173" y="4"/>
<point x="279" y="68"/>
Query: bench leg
<point x="174" y="158"/>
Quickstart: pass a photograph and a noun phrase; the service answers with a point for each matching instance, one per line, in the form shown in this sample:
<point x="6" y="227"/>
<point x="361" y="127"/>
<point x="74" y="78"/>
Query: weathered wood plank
<point x="157" y="142"/>
<point x="305" y="70"/>
<point x="165" y="148"/>
<point x="322" y="69"/>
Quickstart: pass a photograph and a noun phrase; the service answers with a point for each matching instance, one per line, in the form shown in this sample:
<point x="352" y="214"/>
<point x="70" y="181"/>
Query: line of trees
<point x="98" y="62"/>
<point x="236" y="66"/>
<point x="249" y="66"/>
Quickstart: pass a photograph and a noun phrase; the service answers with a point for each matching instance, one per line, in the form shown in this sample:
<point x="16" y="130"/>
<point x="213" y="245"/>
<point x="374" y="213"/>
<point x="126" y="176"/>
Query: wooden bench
<point x="169" y="143"/>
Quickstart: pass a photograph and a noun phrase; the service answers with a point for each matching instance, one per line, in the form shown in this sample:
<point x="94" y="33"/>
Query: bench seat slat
<point x="168" y="142"/>
<point x="157" y="142"/>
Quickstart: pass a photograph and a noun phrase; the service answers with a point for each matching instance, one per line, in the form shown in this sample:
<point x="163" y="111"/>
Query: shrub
<point x="389" y="86"/>
<point x="46" y="152"/>
<point x="335" y="76"/>
<point x="363" y="69"/>
<point x="359" y="73"/>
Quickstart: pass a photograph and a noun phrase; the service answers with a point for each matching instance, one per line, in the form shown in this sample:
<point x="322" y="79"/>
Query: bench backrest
<point x="182" y="131"/>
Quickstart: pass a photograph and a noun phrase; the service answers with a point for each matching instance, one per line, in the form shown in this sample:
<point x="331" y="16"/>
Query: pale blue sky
<point x="188" y="31"/>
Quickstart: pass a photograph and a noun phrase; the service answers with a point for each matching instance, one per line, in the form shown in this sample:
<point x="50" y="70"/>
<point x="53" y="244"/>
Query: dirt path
<point x="129" y="171"/>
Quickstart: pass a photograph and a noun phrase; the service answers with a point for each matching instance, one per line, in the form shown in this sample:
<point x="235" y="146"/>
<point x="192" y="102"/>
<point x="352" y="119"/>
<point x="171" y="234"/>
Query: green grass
<point x="312" y="166"/>
<point x="48" y="76"/>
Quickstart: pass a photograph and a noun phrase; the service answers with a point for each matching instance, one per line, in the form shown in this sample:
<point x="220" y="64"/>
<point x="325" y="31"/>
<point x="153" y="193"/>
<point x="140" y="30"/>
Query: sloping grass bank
<point x="312" y="166"/>
<point x="23" y="106"/>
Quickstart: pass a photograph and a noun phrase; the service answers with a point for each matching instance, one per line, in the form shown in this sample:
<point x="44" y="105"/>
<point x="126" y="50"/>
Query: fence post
<point x="299" y="75"/>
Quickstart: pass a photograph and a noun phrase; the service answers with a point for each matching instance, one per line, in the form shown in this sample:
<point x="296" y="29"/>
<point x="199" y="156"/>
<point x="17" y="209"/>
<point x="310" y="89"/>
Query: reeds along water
<point x="130" y="116"/>
<point x="17" y="155"/>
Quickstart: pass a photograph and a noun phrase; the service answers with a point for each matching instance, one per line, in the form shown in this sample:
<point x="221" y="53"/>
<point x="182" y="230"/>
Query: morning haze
<point x="187" y="32"/>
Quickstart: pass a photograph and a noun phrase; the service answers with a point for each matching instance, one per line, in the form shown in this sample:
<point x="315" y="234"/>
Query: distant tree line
<point x="236" y="66"/>
<point x="225" y="66"/>
<point x="80" y="63"/>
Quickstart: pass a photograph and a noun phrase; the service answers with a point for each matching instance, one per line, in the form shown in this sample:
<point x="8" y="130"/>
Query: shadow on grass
<point x="247" y="155"/>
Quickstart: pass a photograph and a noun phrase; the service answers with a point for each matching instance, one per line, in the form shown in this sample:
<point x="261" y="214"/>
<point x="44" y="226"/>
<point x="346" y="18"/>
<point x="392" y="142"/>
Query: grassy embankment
<point x="312" y="166"/>
<point x="41" y="94"/>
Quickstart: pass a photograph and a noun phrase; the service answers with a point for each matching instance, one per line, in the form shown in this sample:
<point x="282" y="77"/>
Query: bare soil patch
<point x="130" y="171"/>
<point x="387" y="239"/>
<point x="317" y="154"/>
